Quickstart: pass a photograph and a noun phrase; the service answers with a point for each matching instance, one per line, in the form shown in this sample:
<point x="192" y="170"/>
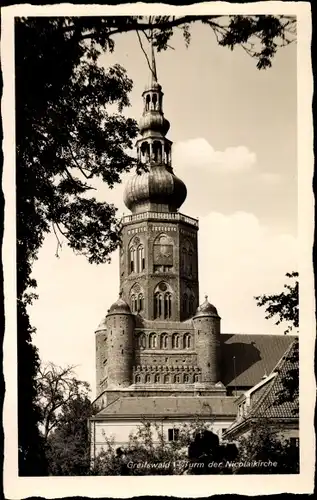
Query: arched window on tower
<point x="153" y="341"/>
<point x="158" y="299"/>
<point x="163" y="252"/>
<point x="147" y="102"/>
<point x="136" y="298"/>
<point x="140" y="258"/>
<point x="187" y="341"/>
<point x="164" y="341"/>
<point x="163" y="301"/>
<point x="167" y="305"/>
<point x="145" y="152"/>
<point x="147" y="378"/>
<point x="138" y="378"/>
<point x="175" y="341"/>
<point x="134" y="303"/>
<point x="141" y="341"/>
<point x="154" y="101"/>
<point x="132" y="259"/>
<point x="166" y="379"/>
<point x="186" y="378"/>
<point x="157" y="378"/>
<point x="141" y="302"/>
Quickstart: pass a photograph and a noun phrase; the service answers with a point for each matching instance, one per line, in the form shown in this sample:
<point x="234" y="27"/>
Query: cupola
<point x="120" y="306"/>
<point x="158" y="189"/>
<point x="206" y="309"/>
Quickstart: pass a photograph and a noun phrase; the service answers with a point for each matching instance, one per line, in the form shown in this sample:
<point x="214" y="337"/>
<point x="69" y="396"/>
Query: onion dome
<point x="154" y="122"/>
<point x="158" y="186"/>
<point x="206" y="309"/>
<point x="120" y="306"/>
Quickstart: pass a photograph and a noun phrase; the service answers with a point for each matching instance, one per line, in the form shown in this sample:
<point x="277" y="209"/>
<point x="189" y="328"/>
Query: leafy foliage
<point x="57" y="388"/>
<point x="265" y="443"/>
<point x="283" y="305"/>
<point x="150" y="453"/>
<point x="67" y="446"/>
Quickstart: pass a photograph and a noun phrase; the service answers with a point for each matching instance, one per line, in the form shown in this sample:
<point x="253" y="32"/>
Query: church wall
<point x="157" y="268"/>
<point x="119" y="430"/>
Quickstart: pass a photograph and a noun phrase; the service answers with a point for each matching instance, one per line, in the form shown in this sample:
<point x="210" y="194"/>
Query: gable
<point x="245" y="359"/>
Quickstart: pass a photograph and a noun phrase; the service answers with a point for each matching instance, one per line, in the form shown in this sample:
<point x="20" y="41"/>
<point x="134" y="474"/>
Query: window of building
<point x="141" y="258"/>
<point x="138" y="378"/>
<point x="186" y="378"/>
<point x="157" y="378"/>
<point x="167" y="305"/>
<point x="166" y="379"/>
<point x="136" y="256"/>
<point x="152" y="341"/>
<point x="141" y="340"/>
<point x="147" y="378"/>
<point x="162" y="301"/>
<point x="132" y="259"/>
<point x="175" y="341"/>
<point x="164" y="341"/>
<point x="141" y="302"/>
<point x="177" y="379"/>
<point x="173" y="434"/>
<point x="196" y="378"/>
<point x="187" y="341"/>
<point x="134" y="303"/>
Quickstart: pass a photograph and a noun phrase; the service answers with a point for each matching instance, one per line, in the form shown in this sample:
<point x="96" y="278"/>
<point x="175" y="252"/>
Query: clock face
<point x="166" y="251"/>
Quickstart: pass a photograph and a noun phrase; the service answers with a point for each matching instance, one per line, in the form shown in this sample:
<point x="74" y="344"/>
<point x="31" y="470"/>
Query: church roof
<point x="173" y="406"/>
<point x="266" y="405"/>
<point x="247" y="358"/>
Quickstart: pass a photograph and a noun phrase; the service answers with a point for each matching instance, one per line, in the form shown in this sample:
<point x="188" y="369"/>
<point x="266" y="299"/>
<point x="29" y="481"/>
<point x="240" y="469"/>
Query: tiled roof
<point x="255" y="356"/>
<point x="171" y="406"/>
<point x="268" y="404"/>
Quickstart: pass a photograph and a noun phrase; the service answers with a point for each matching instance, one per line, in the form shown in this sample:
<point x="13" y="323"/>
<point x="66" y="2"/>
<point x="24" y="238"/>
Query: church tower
<point x="158" y="266"/>
<point x="156" y="338"/>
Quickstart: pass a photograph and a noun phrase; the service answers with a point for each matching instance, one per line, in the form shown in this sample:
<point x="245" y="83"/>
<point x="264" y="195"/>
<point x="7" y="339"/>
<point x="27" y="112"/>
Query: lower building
<point x="161" y="356"/>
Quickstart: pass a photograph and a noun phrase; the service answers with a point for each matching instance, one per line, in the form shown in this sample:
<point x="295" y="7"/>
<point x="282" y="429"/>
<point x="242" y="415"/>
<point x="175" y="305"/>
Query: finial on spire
<point x="206" y="297"/>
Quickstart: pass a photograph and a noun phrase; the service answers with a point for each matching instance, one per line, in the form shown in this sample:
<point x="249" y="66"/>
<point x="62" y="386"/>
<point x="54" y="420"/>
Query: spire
<point x="159" y="189"/>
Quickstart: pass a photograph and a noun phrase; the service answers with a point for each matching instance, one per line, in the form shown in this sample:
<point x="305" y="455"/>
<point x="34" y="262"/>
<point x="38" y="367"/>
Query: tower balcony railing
<point x="169" y="216"/>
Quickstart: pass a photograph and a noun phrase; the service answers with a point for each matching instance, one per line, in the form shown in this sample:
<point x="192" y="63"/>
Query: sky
<point x="235" y="147"/>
